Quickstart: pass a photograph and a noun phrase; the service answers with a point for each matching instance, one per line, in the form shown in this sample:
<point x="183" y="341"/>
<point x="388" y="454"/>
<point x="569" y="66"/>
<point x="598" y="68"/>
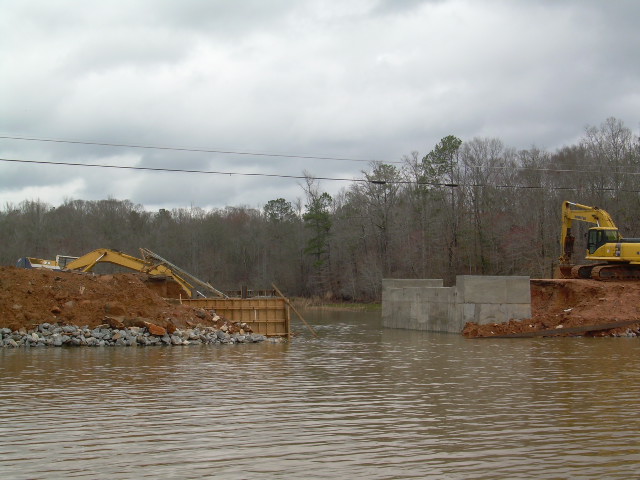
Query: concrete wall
<point x="492" y="299"/>
<point x="401" y="304"/>
<point x="426" y="305"/>
<point x="418" y="308"/>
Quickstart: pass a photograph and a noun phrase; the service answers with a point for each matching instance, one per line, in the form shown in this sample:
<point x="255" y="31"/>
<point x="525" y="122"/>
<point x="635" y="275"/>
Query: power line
<point x="189" y="149"/>
<point x="215" y="172"/>
<point x="302" y="157"/>
<point x="300" y="177"/>
<point x="174" y="170"/>
<point x="556" y="170"/>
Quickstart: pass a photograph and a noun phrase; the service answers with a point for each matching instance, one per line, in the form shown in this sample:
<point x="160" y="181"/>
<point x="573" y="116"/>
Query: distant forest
<point x="473" y="207"/>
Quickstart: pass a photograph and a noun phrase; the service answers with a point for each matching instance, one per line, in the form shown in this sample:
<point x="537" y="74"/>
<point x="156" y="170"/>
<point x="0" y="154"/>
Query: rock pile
<point x="55" y="335"/>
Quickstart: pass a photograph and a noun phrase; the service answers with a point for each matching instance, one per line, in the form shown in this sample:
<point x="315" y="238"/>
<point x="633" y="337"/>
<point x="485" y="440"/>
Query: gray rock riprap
<point x="53" y="335"/>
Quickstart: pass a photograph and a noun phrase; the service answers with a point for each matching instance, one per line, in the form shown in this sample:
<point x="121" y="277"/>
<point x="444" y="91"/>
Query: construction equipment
<point x="617" y="257"/>
<point x="59" y="263"/>
<point x="150" y="263"/>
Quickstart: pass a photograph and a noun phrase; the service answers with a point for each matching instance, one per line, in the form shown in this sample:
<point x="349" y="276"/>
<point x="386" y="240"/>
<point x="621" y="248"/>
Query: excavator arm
<point x="575" y="211"/>
<point x="88" y="261"/>
<point x="150" y="263"/>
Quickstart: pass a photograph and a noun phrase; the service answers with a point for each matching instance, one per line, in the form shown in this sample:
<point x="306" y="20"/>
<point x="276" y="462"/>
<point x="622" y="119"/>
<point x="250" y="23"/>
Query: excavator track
<point x="616" y="272"/>
<point x="579" y="271"/>
<point x="602" y="271"/>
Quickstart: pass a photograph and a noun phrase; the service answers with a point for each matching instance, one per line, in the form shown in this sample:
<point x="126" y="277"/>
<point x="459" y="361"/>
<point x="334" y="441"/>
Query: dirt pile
<point x="570" y="306"/>
<point x="34" y="296"/>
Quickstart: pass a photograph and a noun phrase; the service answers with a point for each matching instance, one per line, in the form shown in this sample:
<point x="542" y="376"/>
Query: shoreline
<point x="56" y="335"/>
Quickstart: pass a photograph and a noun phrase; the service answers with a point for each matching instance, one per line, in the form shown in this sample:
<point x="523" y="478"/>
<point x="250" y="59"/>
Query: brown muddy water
<point x="358" y="402"/>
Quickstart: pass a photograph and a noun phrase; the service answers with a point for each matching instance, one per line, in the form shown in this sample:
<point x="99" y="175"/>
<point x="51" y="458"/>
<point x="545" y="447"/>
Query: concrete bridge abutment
<point x="425" y="304"/>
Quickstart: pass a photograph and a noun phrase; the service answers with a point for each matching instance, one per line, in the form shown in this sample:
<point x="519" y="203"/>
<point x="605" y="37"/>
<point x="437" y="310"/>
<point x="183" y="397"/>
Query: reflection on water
<point x="358" y="402"/>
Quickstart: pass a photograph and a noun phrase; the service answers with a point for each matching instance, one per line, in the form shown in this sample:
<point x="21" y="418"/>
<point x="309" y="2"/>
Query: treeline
<point x="475" y="207"/>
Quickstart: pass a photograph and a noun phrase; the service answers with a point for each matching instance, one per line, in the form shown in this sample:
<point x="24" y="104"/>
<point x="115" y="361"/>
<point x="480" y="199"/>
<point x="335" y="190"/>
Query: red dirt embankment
<point x="34" y="296"/>
<point x="568" y="303"/>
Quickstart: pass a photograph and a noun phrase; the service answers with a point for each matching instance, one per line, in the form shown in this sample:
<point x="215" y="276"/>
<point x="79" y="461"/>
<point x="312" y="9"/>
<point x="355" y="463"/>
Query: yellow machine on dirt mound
<point x="150" y="263"/>
<point x="616" y="258"/>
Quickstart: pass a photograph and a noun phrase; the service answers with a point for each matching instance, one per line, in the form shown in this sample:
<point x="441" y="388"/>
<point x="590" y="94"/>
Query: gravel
<point x="53" y="335"/>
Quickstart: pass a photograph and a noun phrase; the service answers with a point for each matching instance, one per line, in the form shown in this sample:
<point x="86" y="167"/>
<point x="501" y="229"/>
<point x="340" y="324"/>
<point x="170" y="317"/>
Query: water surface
<point x="358" y="402"/>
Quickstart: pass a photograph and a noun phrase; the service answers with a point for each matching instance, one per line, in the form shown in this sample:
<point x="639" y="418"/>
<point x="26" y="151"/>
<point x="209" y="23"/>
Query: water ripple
<point x="358" y="402"/>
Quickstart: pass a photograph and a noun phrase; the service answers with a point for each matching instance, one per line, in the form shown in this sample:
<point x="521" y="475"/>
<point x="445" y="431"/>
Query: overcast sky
<point x="361" y="79"/>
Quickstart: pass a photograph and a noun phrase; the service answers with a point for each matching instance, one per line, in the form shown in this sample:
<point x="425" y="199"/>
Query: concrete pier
<point x="425" y="304"/>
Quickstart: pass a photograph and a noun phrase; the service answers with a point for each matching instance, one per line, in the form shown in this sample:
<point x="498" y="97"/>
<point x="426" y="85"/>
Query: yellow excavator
<point x="150" y="263"/>
<point x="615" y="257"/>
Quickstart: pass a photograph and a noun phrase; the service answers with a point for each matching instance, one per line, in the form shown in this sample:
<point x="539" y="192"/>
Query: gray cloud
<point x="368" y="80"/>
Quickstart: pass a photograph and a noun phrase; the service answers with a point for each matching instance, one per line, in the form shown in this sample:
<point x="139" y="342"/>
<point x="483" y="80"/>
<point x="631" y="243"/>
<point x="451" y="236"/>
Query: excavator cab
<point x="599" y="236"/>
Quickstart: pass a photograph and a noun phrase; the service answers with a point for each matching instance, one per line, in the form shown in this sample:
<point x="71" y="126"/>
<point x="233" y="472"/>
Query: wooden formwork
<point x="266" y="316"/>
